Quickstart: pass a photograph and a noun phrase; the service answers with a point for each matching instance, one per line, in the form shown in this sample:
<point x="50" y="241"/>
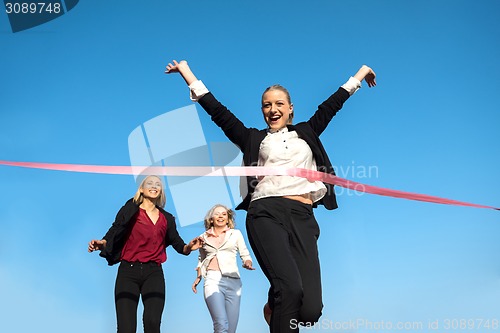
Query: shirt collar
<point x="211" y="232"/>
<point x="283" y="130"/>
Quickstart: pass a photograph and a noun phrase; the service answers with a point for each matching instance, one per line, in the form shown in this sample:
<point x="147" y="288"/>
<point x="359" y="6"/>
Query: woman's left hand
<point x="370" y="78"/>
<point x="367" y="74"/>
<point x="248" y="265"/>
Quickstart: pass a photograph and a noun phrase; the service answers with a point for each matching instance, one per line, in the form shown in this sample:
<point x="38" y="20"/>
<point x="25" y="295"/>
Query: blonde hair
<point x="139" y="197"/>
<point x="210" y="213"/>
<point x="289" y="100"/>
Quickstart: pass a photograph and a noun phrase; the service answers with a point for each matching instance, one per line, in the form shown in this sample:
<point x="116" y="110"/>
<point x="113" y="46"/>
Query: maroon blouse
<point x="146" y="241"/>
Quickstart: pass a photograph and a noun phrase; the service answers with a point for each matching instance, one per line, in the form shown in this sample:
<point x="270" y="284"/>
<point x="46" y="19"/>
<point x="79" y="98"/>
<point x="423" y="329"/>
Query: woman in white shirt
<point x="281" y="226"/>
<point x="217" y="265"/>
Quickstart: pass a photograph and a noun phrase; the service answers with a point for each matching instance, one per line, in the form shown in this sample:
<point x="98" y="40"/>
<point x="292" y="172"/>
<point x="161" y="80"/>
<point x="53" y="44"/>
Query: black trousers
<point x="283" y="234"/>
<point x="134" y="280"/>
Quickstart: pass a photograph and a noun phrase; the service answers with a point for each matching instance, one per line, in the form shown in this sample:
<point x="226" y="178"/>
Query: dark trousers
<point x="134" y="280"/>
<point x="283" y="234"/>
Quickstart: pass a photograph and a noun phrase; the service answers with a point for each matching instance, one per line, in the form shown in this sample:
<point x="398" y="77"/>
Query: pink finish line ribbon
<point x="241" y="171"/>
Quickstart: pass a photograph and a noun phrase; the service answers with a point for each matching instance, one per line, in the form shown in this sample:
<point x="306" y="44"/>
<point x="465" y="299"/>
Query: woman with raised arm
<point x="138" y="240"/>
<point x="217" y="266"/>
<point x="280" y="223"/>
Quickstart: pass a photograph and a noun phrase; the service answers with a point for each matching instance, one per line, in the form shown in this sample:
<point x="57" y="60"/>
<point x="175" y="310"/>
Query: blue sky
<point x="74" y="89"/>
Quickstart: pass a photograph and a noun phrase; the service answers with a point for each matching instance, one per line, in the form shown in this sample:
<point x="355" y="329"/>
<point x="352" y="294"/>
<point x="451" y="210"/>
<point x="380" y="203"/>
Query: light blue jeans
<point x="223" y="295"/>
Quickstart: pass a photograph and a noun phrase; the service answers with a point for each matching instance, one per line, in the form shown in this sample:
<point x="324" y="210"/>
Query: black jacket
<point x="120" y="230"/>
<point x="249" y="139"/>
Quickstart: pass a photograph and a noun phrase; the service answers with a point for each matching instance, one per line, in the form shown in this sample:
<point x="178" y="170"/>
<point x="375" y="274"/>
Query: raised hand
<point x="367" y="74"/>
<point x="176" y="67"/>
<point x="182" y="68"/>
<point x="370" y="78"/>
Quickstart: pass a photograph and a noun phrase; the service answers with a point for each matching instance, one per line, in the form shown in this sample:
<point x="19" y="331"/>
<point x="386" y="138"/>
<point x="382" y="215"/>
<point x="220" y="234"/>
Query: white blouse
<point x="286" y="149"/>
<point x="225" y="253"/>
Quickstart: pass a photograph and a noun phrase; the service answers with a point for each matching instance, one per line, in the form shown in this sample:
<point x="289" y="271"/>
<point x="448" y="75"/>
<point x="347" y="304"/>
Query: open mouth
<point x="275" y="118"/>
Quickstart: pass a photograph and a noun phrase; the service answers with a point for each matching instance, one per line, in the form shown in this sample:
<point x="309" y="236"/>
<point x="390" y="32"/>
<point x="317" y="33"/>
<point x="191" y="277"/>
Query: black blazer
<point x="120" y="230"/>
<point x="249" y="139"/>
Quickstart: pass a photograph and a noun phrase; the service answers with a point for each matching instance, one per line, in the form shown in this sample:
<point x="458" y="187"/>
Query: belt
<point x="138" y="263"/>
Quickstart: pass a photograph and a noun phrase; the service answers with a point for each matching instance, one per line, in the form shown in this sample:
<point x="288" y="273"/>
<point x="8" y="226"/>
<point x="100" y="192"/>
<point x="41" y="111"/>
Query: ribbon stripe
<point x="311" y="175"/>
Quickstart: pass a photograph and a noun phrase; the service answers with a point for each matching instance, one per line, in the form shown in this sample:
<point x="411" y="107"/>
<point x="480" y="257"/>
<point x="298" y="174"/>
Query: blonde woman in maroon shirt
<point x="137" y="240"/>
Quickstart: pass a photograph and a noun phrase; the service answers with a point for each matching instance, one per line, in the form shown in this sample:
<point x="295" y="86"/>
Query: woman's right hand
<point x="95" y="245"/>
<point x="195" y="243"/>
<point x="195" y="284"/>
<point x="177" y="67"/>
<point x="182" y="68"/>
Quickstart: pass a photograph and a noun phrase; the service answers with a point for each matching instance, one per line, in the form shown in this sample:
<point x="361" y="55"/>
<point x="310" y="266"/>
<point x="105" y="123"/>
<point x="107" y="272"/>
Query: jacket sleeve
<point x="327" y="110"/>
<point x="232" y="127"/>
<point x="200" y="259"/>
<point x="202" y="254"/>
<point x="119" y="219"/>
<point x="242" y="248"/>
<point x="172" y="237"/>
<point x="115" y="237"/>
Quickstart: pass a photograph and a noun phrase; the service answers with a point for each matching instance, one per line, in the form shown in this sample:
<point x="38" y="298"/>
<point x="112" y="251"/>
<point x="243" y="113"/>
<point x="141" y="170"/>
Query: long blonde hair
<point x="210" y="213"/>
<point x="139" y="197"/>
